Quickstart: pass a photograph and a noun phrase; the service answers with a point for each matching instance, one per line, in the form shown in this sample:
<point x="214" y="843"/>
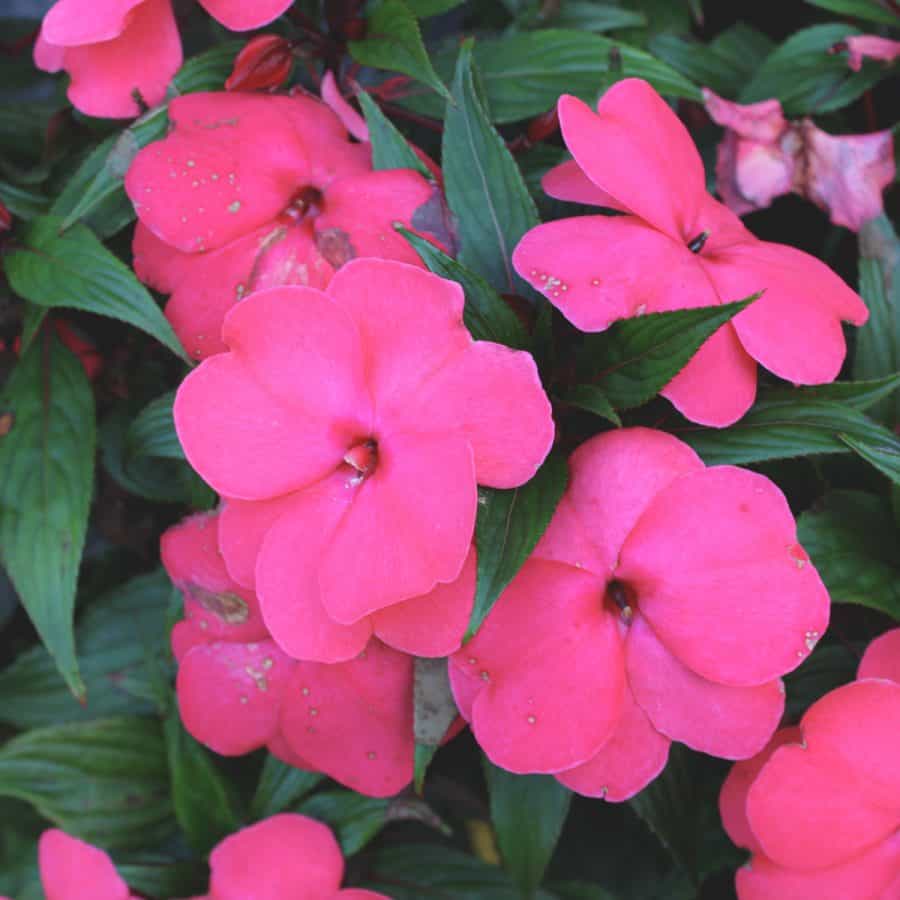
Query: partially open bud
<point x="263" y="64"/>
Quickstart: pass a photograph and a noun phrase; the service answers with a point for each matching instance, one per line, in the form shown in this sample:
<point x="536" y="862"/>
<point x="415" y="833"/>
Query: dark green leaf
<point x="152" y="433"/>
<point x="861" y="395"/>
<point x="806" y="78"/>
<point x="200" y="793"/>
<point x="486" y="315"/>
<point x="828" y="667"/>
<point x="46" y="483"/>
<point x="74" y="270"/>
<point x="281" y="787"/>
<point x="393" y="41"/>
<point x="355" y="819"/>
<point x="162" y="877"/>
<point x="870" y="10"/>
<point x="483" y="184"/>
<point x="23" y="202"/>
<point x="528" y="813"/>
<point x="852" y="541"/>
<point x="390" y="150"/>
<point x="115" y="636"/>
<point x="509" y="525"/>
<point x="787" y="424"/>
<point x="207" y="71"/>
<point x="523" y="74"/>
<point x="638" y="357"/>
<point x="103" y="781"/>
<point x="422" y="9"/>
<point x="589" y="15"/>
<point x="878" y="341"/>
<point x="592" y="398"/>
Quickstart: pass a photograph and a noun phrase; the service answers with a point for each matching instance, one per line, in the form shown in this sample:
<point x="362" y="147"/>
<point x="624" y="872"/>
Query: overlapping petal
<point x="882" y="657"/>
<point x="69" y="865"/>
<point x="241" y="16"/>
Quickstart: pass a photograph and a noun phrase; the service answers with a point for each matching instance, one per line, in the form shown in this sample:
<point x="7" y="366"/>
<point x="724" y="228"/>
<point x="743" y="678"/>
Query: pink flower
<point x="253" y="191"/>
<point x="73" y="870"/>
<point x="285" y="856"/>
<point x="663" y="603"/>
<point x="764" y="156"/>
<point x="113" y="49"/>
<point x="819" y="808"/>
<point x="868" y="46"/>
<point x="348" y="431"/>
<point x="677" y="248"/>
<point x="237" y="691"/>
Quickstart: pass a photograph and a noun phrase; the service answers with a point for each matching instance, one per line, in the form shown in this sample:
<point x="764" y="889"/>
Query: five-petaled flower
<point x="819" y="808"/>
<point x="662" y="604"/>
<point x="254" y="191"/>
<point x="115" y="50"/>
<point x="237" y="691"/>
<point x="348" y="431"/>
<point x="676" y="248"/>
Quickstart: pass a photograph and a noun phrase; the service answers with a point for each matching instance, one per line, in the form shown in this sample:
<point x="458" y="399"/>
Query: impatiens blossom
<point x="867" y="46"/>
<point x="285" y="856"/>
<point x="347" y="431"/>
<point x="116" y="49"/>
<point x="676" y="248"/>
<point x="819" y="808"/>
<point x="237" y="691"/>
<point x="253" y="191"/>
<point x="663" y="604"/>
<point x="764" y="156"/>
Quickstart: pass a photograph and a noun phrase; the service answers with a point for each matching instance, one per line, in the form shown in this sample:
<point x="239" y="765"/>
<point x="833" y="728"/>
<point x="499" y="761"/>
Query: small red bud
<point x="543" y="126"/>
<point x="355" y="29"/>
<point x="264" y="63"/>
<point x="5" y="217"/>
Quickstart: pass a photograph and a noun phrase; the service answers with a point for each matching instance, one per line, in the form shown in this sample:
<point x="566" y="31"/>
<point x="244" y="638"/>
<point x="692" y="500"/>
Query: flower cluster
<point x="819" y="808"/>
<point x="284" y="856"/>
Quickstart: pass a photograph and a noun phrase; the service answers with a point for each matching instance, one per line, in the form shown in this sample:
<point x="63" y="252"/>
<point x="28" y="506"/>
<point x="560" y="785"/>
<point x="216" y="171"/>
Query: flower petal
<point x="794" y="329"/>
<point x="408" y="529"/>
<point x="432" y="625"/>
<point x="68" y="865"/>
<point x="636" y="149"/>
<point x="567" y="181"/>
<point x="550" y="659"/>
<point x="287" y="569"/>
<point x="238" y="15"/>
<point x="598" y="269"/>
<point x="142" y="58"/>
<point x="632" y="757"/>
<point x="66" y="24"/>
<point x="354" y="720"/>
<point x="882" y="657"/>
<point x="230" y="695"/>
<point x="745" y="605"/>
<point x="721" y="720"/>
<point x="493" y="396"/>
<point x="613" y="478"/>
<point x="718" y="385"/>
<point x="287" y="855"/>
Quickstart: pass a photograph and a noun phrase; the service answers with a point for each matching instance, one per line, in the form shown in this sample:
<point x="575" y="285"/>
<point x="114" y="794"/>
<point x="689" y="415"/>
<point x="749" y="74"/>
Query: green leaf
<point x="74" y="270"/>
<point x="509" y="525"/>
<point x="787" y="424"/>
<point x="281" y="787"/>
<point x="878" y="341"/>
<point x="199" y="791"/>
<point x="636" y="358"/>
<point x="393" y="41"/>
<point x="588" y="15"/>
<point x="46" y="483"/>
<point x="23" y="202"/>
<point x="483" y="185"/>
<point x="861" y="395"/>
<point x="523" y="74"/>
<point x="486" y="315"/>
<point x="152" y="433"/>
<point x="528" y="813"/>
<point x="116" y="636"/>
<point x="103" y="781"/>
<point x="354" y="818"/>
<point x="592" y="398"/>
<point x="806" y="78"/>
<point x="207" y="71"/>
<point x="390" y="150"/>
<point x="422" y="9"/>
<point x="828" y="667"/>
<point x="852" y="541"/>
<point x="870" y="10"/>
<point x="162" y="877"/>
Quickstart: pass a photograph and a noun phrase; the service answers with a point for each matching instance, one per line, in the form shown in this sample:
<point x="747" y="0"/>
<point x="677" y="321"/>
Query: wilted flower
<point x="677" y="248"/>
<point x="662" y="604"/>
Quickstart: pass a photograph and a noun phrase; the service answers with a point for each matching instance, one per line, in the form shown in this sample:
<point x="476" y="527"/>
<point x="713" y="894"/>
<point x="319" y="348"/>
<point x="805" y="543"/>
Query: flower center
<point x="307" y="203"/>
<point x="621" y="599"/>
<point x="363" y="457"/>
<point x="695" y="245"/>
